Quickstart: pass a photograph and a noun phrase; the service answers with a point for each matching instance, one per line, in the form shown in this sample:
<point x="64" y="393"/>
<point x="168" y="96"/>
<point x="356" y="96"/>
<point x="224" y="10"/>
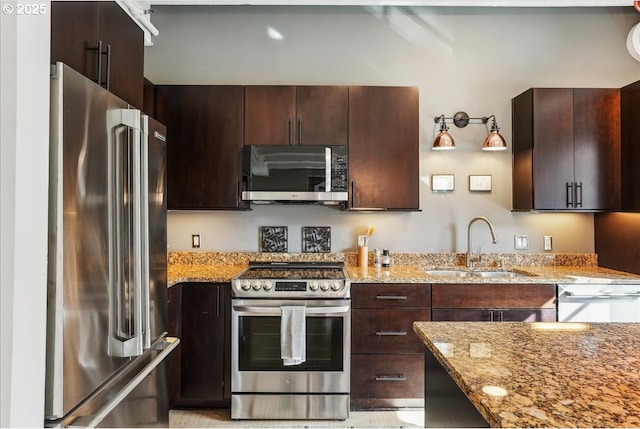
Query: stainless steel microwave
<point x="295" y="173"/>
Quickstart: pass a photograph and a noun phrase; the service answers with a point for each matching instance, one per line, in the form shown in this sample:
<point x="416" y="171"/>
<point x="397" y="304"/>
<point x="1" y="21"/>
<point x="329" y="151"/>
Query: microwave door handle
<point x="327" y="170"/>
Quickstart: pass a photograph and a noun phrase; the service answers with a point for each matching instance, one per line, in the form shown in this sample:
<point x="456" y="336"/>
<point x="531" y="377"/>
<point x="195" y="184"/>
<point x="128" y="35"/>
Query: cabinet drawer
<point x="493" y="296"/>
<point x="390" y="295"/>
<point x="387" y="376"/>
<point x="494" y="315"/>
<point x="386" y="331"/>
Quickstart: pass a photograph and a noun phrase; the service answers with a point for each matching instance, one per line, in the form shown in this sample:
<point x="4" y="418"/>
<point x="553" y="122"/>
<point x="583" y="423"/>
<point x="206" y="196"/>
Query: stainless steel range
<point x="264" y="383"/>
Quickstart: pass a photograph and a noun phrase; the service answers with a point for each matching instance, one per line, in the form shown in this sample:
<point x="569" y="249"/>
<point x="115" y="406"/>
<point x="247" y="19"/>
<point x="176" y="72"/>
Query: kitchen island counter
<point x="539" y="374"/>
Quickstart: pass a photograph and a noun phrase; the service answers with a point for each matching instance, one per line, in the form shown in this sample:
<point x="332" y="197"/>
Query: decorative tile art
<point x="316" y="239"/>
<point x="274" y="239"/>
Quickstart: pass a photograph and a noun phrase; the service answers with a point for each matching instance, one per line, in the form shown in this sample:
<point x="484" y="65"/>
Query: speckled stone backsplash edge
<point x="422" y="259"/>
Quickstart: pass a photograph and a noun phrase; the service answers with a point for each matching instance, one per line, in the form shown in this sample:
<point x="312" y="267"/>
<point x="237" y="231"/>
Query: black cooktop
<point x="294" y="270"/>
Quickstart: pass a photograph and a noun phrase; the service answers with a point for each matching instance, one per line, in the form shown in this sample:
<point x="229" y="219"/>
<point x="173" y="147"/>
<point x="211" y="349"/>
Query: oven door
<point x="256" y="365"/>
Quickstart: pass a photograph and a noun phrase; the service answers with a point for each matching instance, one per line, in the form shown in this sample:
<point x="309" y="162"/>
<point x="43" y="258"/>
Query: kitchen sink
<point x="499" y="274"/>
<point x="449" y="273"/>
<point x="476" y="273"/>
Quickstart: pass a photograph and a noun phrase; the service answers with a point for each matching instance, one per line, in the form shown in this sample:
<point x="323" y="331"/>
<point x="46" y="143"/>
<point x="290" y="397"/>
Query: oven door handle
<point x="246" y="310"/>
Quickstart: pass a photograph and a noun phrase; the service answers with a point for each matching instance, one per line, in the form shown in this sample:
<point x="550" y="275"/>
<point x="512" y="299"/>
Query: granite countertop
<point x="543" y="374"/>
<point x="540" y="268"/>
<point x="179" y="273"/>
<point x="533" y="275"/>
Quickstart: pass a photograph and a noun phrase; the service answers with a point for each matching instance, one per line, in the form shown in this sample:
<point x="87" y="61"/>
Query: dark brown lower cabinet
<point x="387" y="381"/>
<point x="387" y="357"/>
<point x="494" y="315"/>
<point x="200" y="371"/>
<point x="494" y="303"/>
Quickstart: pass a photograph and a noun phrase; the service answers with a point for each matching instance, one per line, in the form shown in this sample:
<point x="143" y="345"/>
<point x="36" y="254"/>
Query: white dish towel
<point x="293" y="331"/>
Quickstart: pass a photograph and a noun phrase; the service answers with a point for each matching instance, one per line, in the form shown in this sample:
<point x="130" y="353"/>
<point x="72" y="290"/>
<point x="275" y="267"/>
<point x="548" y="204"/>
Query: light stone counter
<point x="406" y="268"/>
<point x="542" y="374"/>
<point x="533" y="275"/>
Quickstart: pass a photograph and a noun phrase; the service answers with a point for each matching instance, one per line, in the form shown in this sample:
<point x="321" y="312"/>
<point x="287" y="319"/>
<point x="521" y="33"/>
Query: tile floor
<point x="412" y="418"/>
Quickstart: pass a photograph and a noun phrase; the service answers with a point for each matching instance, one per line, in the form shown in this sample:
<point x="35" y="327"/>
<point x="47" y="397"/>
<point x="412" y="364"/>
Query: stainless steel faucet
<point x="470" y="257"/>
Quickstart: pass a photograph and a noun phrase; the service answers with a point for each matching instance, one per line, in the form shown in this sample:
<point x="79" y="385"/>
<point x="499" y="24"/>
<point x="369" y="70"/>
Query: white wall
<point x="471" y="59"/>
<point x="24" y="114"/>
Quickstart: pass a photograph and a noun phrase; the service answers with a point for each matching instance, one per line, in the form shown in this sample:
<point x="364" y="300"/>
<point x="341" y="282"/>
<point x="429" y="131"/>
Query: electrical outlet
<point x="195" y="241"/>
<point x="548" y="243"/>
<point x="521" y="242"/>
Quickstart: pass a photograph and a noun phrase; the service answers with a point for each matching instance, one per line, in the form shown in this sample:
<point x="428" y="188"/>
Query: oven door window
<point x="259" y="344"/>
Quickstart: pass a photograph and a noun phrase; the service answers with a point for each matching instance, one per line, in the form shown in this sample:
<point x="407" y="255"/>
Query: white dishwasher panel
<point x="599" y="302"/>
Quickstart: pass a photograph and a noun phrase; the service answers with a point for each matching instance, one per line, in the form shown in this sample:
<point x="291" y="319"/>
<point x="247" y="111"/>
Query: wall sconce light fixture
<point x="443" y="140"/>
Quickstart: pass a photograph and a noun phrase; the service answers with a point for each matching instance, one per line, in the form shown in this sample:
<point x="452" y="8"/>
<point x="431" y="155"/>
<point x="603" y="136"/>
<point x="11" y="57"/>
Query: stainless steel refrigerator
<point x="107" y="286"/>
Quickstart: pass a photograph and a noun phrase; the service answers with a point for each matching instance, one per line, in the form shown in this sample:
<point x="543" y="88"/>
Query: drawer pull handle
<point x="398" y="377"/>
<point x="388" y="333"/>
<point x="391" y="297"/>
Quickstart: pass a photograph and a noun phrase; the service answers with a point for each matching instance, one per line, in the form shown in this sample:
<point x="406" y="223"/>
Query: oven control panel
<point x="331" y="288"/>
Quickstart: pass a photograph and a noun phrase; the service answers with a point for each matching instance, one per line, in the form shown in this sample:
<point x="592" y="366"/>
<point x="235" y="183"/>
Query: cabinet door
<point x="74" y="31"/>
<point x="526" y="315"/>
<point x="204" y="145"/>
<point x="493" y="296"/>
<point x="322" y="115"/>
<point x="629" y="114"/>
<point x="269" y="115"/>
<point x="383" y="147"/>
<point x="126" y="63"/>
<point x="174" y="305"/>
<point x="461" y="315"/>
<point x="597" y="148"/>
<point x="566" y="149"/>
<point x="203" y="336"/>
<point x="494" y="315"/>
<point x="543" y="149"/>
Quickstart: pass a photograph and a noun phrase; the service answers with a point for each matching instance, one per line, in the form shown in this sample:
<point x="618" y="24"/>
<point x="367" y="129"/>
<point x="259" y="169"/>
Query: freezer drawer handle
<point x="91" y="421"/>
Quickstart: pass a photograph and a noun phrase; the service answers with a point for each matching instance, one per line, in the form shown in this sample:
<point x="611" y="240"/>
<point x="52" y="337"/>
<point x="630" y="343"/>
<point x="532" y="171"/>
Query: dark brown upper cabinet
<point x="204" y="144"/>
<point x="306" y="115"/>
<point x="384" y="148"/>
<point x="630" y="123"/>
<point x="566" y="149"/>
<point x="78" y="28"/>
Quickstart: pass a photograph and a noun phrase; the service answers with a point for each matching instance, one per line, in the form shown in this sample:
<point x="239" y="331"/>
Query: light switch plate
<point x="521" y="242"/>
<point x="480" y="183"/>
<point x="443" y="182"/>
<point x="195" y="241"/>
<point x="548" y="243"/>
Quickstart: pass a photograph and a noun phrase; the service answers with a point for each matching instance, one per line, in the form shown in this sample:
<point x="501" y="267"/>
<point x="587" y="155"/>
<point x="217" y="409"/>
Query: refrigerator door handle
<point x="144" y="233"/>
<point x="125" y="304"/>
<point x="168" y="344"/>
